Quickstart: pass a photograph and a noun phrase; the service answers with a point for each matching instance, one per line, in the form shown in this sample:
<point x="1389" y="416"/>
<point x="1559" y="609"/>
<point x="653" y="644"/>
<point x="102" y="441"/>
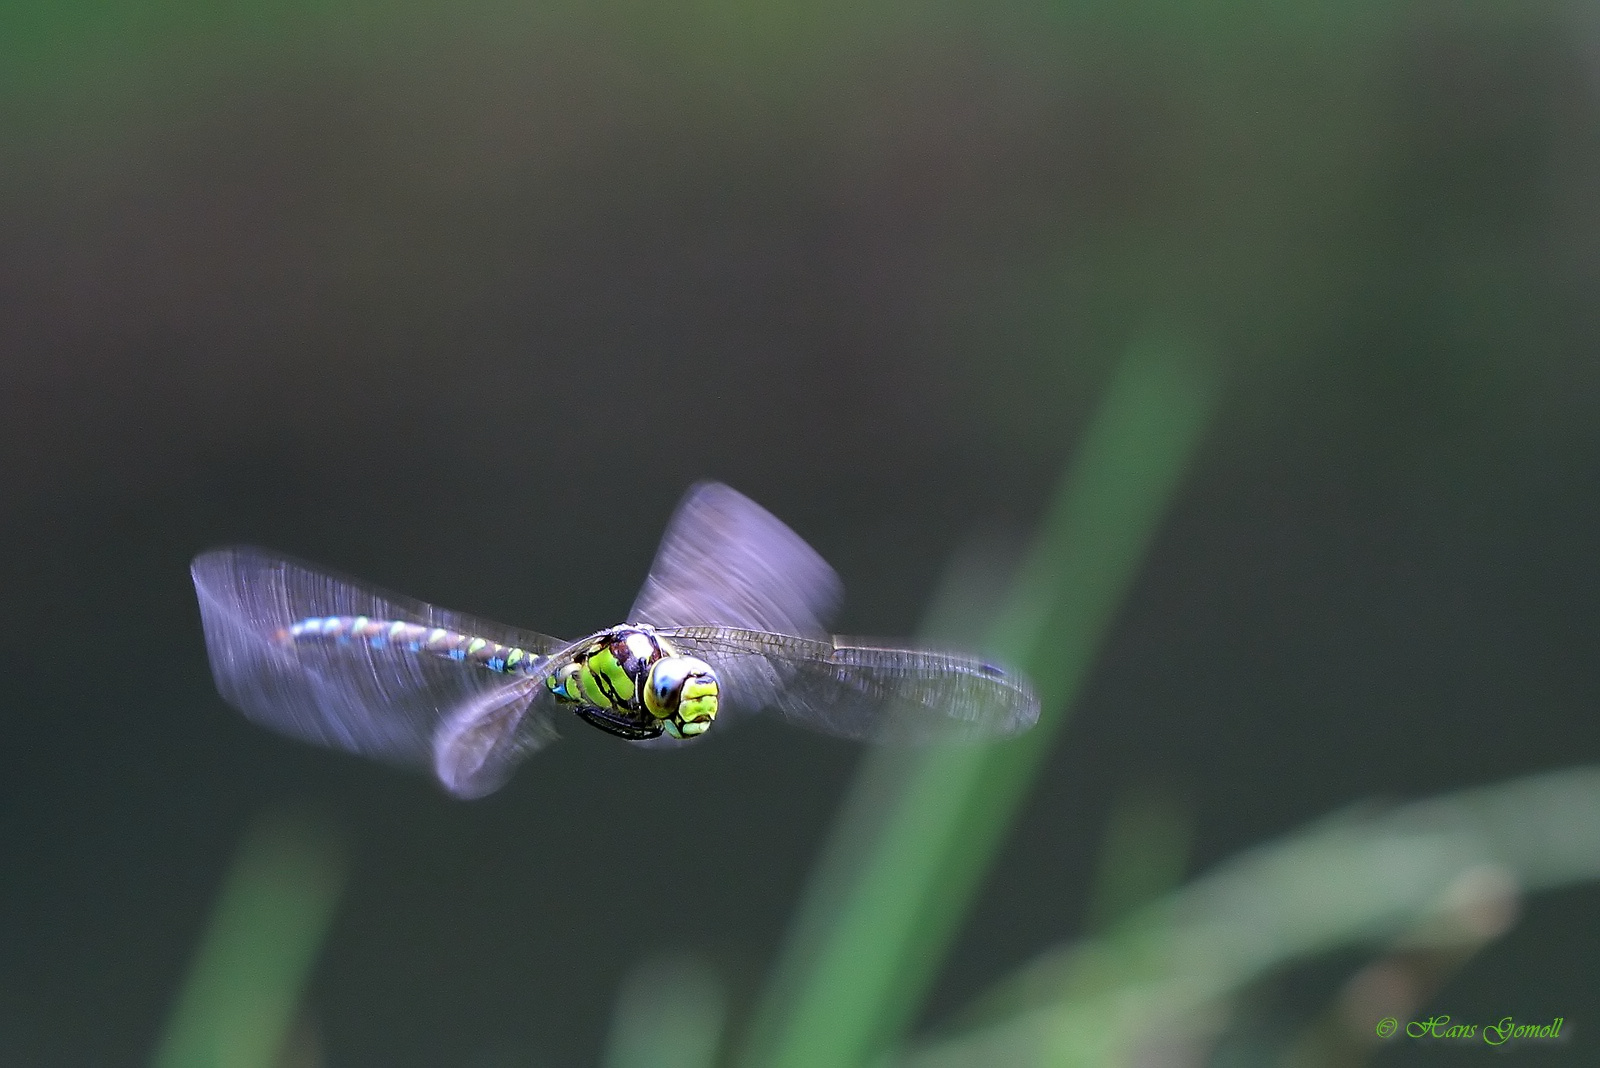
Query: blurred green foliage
<point x="669" y="1014"/>
<point x="239" y="1004"/>
<point x="1434" y="878"/>
<point x="865" y="948"/>
<point x="1382" y="214"/>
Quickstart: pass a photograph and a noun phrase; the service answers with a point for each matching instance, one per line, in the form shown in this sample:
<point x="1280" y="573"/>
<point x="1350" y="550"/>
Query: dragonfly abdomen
<point x="415" y="638"/>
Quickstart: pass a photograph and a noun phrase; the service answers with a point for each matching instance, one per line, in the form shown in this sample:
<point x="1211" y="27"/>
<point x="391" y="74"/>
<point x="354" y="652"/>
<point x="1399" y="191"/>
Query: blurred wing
<point x="404" y="707"/>
<point x="481" y="741"/>
<point x="853" y="689"/>
<point x="726" y="561"/>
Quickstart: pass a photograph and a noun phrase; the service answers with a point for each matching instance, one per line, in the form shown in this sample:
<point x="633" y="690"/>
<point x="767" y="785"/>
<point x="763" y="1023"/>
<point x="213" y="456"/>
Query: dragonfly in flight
<point x="731" y="622"/>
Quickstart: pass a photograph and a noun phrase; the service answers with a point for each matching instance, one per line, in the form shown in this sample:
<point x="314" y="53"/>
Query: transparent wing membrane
<point x="726" y="561"/>
<point x="481" y="741"/>
<point x="853" y="689"/>
<point x="352" y="688"/>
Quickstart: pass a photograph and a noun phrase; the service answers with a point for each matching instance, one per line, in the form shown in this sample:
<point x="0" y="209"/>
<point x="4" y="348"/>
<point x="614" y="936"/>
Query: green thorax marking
<point x="606" y="680"/>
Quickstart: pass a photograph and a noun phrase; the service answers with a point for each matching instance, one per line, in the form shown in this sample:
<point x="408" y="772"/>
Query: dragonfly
<point x="731" y="622"/>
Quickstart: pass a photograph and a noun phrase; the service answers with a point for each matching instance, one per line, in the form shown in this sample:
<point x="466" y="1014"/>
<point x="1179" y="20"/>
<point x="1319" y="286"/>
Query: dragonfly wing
<point x="481" y="741"/>
<point x="726" y="561"/>
<point x="855" y="689"/>
<point x="377" y="699"/>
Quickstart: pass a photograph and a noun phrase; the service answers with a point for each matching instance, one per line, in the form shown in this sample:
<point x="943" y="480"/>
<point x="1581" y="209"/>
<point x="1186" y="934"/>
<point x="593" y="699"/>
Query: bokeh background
<point x="461" y="297"/>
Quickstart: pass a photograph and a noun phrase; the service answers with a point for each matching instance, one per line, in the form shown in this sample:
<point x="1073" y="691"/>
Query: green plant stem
<point x="243" y="990"/>
<point x="912" y="844"/>
<point x="1440" y="875"/>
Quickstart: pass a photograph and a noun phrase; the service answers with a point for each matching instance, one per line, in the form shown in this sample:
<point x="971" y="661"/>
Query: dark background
<point x="460" y="298"/>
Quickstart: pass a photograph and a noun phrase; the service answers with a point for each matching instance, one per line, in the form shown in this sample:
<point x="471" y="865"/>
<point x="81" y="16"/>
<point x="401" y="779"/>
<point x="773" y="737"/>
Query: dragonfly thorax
<point x="628" y="681"/>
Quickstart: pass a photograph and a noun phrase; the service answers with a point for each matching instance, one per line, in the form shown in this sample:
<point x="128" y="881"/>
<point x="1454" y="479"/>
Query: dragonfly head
<point x="682" y="692"/>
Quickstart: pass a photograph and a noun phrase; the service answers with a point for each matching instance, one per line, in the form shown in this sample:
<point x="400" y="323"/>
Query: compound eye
<point x="664" y="686"/>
